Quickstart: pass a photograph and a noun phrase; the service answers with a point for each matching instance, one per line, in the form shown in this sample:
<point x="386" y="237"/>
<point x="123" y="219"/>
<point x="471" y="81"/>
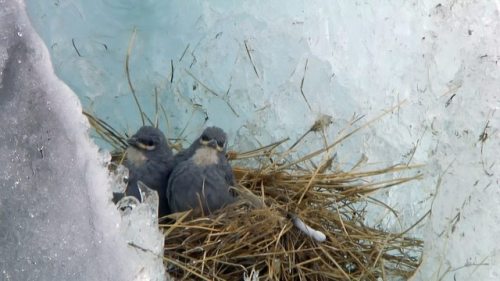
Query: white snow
<point x="57" y="221"/>
<point x="242" y="64"/>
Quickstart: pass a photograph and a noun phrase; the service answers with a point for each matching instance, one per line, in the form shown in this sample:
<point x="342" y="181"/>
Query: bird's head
<point x="149" y="141"/>
<point x="214" y="137"/>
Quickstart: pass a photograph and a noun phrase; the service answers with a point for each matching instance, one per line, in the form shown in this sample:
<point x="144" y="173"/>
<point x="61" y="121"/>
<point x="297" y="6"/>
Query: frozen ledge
<point x="56" y="219"/>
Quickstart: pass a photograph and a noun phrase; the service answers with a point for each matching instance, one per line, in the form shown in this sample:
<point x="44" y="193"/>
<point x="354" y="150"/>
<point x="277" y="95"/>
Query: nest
<point x="259" y="236"/>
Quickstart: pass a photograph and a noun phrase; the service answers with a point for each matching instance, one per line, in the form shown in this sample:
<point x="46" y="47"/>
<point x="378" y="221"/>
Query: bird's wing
<point x="191" y="185"/>
<point x="228" y="171"/>
<point x="183" y="185"/>
<point x="217" y="192"/>
<point x="154" y="174"/>
<point x="132" y="189"/>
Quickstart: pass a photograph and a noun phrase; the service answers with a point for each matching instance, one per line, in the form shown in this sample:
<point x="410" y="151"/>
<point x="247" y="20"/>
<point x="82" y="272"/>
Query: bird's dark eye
<point x="148" y="142"/>
<point x="220" y="143"/>
<point x="205" y="138"/>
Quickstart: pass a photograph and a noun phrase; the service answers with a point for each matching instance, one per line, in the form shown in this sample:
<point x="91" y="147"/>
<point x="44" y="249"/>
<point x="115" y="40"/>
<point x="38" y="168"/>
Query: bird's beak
<point x="212" y="144"/>
<point x="132" y="141"/>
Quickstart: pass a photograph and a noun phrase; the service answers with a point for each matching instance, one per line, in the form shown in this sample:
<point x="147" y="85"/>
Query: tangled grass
<point x="258" y="236"/>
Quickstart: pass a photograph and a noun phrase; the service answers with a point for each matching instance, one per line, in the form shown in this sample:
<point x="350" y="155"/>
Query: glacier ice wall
<point x="56" y="219"/>
<point x="250" y="66"/>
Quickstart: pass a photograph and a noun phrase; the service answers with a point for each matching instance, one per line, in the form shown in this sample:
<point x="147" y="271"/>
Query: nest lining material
<point x="258" y="234"/>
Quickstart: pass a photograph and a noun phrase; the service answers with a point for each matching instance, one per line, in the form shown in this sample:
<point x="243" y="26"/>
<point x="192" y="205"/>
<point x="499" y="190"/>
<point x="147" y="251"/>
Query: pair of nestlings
<point x="196" y="178"/>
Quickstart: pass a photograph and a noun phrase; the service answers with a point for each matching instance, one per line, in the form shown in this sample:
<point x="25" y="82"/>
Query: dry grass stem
<point x="257" y="233"/>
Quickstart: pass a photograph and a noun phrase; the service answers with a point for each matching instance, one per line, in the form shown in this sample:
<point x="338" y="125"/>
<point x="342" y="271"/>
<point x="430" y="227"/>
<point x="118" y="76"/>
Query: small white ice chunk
<point x="140" y="229"/>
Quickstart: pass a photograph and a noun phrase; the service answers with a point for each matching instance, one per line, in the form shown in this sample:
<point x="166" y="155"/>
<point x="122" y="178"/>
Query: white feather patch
<point x="309" y="231"/>
<point x="205" y="156"/>
<point x="135" y="156"/>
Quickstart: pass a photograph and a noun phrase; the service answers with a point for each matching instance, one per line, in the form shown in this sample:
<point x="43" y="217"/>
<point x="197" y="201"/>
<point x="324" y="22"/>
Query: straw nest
<point x="258" y="237"/>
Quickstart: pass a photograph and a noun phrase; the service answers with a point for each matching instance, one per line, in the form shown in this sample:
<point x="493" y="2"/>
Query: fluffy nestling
<point x="202" y="175"/>
<point x="150" y="160"/>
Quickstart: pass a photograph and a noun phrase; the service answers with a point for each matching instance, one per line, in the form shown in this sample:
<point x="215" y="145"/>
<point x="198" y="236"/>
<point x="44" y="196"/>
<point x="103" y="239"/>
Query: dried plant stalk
<point x="257" y="233"/>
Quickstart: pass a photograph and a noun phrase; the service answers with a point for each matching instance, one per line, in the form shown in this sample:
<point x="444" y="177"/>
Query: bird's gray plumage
<point x="202" y="175"/>
<point x="150" y="160"/>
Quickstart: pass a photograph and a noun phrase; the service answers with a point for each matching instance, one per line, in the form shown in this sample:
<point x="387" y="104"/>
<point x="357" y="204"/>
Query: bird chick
<point x="149" y="160"/>
<point x="202" y="175"/>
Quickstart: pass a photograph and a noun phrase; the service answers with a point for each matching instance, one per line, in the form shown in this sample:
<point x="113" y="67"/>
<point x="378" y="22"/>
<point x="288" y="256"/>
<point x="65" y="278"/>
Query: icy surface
<point x="56" y="219"/>
<point x="249" y="66"/>
<point x="140" y="229"/>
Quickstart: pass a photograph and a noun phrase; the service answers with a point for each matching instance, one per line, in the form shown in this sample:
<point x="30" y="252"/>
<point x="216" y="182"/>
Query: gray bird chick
<point x="202" y="175"/>
<point x="150" y="160"/>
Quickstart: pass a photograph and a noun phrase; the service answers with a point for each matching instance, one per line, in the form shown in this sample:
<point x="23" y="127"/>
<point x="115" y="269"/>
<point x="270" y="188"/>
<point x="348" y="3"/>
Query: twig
<point x="127" y="58"/>
<point x="341" y="138"/>
<point x="415" y="147"/>
<point x="166" y="118"/>
<point x="482" y="138"/>
<point x="74" y="46"/>
<point x="302" y="85"/>
<point x="448" y="102"/>
<point x="250" y="57"/>
<point x="156" y="108"/>
<point x="428" y="213"/>
<point x="102" y="127"/>
<point x="183" y="53"/>
<point x="171" y="71"/>
<point x="226" y="100"/>
<point x="319" y="125"/>
<point x="262" y="151"/>
<point x="148" y="119"/>
<point x="201" y="83"/>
